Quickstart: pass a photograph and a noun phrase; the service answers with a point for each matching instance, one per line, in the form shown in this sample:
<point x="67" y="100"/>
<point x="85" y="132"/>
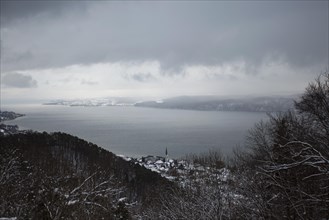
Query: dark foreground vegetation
<point x="58" y="176"/>
<point x="282" y="173"/>
<point x="285" y="172"/>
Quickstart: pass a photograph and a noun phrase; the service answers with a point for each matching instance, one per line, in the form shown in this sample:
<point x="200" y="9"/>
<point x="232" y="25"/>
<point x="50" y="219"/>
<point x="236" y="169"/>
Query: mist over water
<point x="135" y="131"/>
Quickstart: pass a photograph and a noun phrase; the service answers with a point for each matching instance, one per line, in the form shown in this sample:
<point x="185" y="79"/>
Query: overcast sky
<point x="71" y="49"/>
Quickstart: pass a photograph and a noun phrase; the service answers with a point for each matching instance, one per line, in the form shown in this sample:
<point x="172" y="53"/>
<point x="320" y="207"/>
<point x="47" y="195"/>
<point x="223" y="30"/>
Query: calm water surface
<point x="135" y="131"/>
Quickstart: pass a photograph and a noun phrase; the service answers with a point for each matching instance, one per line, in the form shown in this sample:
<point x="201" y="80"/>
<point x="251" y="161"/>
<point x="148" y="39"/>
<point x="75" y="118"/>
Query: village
<point x="183" y="170"/>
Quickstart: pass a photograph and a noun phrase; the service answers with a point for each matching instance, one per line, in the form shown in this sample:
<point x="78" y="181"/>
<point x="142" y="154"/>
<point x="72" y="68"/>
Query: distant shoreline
<point x="9" y="115"/>
<point x="258" y="104"/>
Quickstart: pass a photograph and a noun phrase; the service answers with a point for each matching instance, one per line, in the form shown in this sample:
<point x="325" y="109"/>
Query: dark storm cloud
<point x="15" y="11"/>
<point x="61" y="33"/>
<point x="18" y="80"/>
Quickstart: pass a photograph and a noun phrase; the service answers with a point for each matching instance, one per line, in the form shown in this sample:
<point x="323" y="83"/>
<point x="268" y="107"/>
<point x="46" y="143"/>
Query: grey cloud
<point x="21" y="57"/>
<point x="18" y="80"/>
<point x="142" y="77"/>
<point x="16" y="11"/>
<point x="175" y="33"/>
<point x="222" y="77"/>
<point x="88" y="82"/>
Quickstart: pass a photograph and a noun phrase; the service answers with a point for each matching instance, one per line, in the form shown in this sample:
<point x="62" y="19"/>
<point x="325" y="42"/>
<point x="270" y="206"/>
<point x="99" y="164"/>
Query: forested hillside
<point x="213" y="103"/>
<point x="58" y="176"/>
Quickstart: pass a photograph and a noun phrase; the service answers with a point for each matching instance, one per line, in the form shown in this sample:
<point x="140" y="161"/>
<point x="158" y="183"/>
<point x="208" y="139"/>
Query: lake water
<point x="135" y="131"/>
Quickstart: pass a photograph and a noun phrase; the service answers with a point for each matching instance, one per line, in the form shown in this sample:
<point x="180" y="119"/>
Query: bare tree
<point x="15" y="177"/>
<point x="314" y="104"/>
<point x="287" y="160"/>
<point x="96" y="195"/>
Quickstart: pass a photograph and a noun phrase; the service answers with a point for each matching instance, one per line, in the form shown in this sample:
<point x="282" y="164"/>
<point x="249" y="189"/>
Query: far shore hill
<point x="201" y="103"/>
